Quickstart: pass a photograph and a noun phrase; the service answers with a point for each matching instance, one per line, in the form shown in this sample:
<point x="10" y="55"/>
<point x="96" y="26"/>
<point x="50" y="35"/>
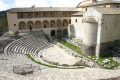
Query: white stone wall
<point x="90" y="33"/>
<point x="110" y="28"/>
<point x="90" y="30"/>
<point x="77" y="25"/>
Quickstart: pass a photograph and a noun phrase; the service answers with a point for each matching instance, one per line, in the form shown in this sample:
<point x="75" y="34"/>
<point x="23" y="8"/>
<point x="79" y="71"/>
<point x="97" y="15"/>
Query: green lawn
<point x="71" y="46"/>
<point x="111" y="64"/>
<point x="107" y="63"/>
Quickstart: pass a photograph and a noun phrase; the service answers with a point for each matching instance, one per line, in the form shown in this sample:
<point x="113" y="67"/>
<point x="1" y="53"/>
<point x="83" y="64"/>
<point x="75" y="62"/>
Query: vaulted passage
<point x="30" y="25"/>
<point x="22" y="25"/>
<point x="45" y="24"/>
<point x="59" y="23"/>
<point x="65" y="23"/>
<point x="52" y="33"/>
<point x="59" y="33"/>
<point x="37" y="24"/>
<point x="65" y="32"/>
<point x="52" y="24"/>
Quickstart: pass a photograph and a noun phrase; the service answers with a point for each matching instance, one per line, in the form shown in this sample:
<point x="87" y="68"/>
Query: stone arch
<point x="45" y="24"/>
<point x="52" y="24"/>
<point x="52" y="33"/>
<point x="59" y="23"/>
<point x="65" y="32"/>
<point x="37" y="24"/>
<point x="59" y="33"/>
<point x="22" y="25"/>
<point x="70" y="21"/>
<point x="30" y="24"/>
<point x="65" y="23"/>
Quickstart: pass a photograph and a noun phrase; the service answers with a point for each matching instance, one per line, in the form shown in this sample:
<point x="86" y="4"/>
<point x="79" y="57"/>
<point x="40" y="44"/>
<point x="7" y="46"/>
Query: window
<point x="50" y="14"/>
<point x="63" y="24"/>
<point x="37" y="14"/>
<point x="44" y="26"/>
<point x="51" y="25"/>
<point x="117" y="6"/>
<point x="69" y="13"/>
<point x="75" y="20"/>
<point x="30" y="15"/>
<point x="14" y="24"/>
<point x="21" y="15"/>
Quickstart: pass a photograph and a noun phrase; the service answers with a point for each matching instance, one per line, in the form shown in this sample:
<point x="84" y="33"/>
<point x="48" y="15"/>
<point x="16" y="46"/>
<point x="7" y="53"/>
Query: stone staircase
<point x="32" y="43"/>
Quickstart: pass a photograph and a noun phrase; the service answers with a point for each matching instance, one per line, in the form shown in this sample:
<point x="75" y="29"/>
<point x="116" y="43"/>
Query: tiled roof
<point x="99" y="3"/>
<point x="33" y="9"/>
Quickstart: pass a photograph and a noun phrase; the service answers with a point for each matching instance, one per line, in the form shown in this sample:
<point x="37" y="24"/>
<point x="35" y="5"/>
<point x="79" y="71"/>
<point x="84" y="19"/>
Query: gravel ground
<point x="44" y="73"/>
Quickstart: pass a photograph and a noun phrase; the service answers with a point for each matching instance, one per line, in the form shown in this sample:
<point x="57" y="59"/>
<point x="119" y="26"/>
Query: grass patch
<point x="73" y="47"/>
<point x="38" y="62"/>
<point x="107" y="63"/>
<point x="30" y="56"/>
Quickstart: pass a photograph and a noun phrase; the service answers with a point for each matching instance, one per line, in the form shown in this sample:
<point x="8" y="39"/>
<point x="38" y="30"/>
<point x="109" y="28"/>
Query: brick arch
<point x="37" y="24"/>
<point x="59" y="23"/>
<point x="52" y="24"/>
<point x="45" y="24"/>
<point x="22" y="25"/>
<point x="65" y="23"/>
<point x="30" y="24"/>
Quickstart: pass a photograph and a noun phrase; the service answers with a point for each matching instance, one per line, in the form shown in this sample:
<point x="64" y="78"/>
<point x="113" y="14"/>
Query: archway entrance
<point x="65" y="23"/>
<point x="22" y="25"/>
<point x="37" y="24"/>
<point x="59" y="33"/>
<point x="65" y="32"/>
<point x="30" y="25"/>
<point x="45" y="24"/>
<point x="52" y="33"/>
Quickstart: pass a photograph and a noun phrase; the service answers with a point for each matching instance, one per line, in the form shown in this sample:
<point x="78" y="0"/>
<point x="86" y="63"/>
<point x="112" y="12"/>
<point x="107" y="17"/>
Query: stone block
<point x="23" y="69"/>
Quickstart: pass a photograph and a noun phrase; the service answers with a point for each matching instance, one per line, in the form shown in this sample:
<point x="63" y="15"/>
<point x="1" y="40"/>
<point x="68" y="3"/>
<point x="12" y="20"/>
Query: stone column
<point x="98" y="38"/>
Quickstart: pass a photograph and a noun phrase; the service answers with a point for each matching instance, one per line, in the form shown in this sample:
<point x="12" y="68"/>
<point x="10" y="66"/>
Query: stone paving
<point x="44" y="73"/>
<point x="56" y="54"/>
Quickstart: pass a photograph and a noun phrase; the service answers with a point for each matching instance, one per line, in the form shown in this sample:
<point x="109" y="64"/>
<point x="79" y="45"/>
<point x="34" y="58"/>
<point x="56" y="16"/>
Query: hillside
<point x="3" y="22"/>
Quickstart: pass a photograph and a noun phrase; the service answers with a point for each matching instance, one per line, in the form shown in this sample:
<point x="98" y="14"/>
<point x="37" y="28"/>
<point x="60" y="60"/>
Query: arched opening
<point x="22" y="25"/>
<point x="37" y="24"/>
<point x="52" y="24"/>
<point x="59" y="33"/>
<point x="65" y="23"/>
<point x="59" y="23"/>
<point x="52" y="33"/>
<point x="70" y="21"/>
<point x="65" y="32"/>
<point x="30" y="25"/>
<point x="45" y="24"/>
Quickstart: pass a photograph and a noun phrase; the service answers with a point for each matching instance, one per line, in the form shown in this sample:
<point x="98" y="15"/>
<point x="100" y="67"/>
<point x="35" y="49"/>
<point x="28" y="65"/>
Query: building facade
<point x="50" y="20"/>
<point x="96" y="23"/>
